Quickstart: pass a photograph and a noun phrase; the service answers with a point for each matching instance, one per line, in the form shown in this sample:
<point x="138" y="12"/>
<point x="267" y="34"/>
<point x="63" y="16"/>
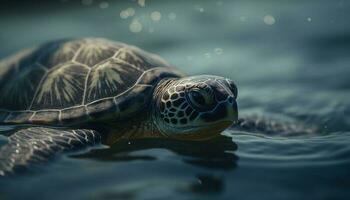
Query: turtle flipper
<point x="31" y="146"/>
<point x="272" y="126"/>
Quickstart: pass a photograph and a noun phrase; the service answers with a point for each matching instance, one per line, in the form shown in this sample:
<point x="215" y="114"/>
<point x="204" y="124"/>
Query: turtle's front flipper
<point x="35" y="145"/>
<point x="271" y="126"/>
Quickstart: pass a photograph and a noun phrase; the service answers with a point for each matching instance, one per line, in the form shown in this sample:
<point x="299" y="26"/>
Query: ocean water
<point x="290" y="60"/>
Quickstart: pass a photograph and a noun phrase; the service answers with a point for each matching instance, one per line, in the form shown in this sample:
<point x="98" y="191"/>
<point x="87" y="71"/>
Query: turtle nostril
<point x="232" y="87"/>
<point x="230" y="99"/>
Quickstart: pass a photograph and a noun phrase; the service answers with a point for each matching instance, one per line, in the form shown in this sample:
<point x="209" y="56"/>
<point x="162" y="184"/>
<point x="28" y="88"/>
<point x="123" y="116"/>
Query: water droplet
<point x="104" y="5"/>
<point x="141" y="3"/>
<point x="86" y="2"/>
<point x="172" y="16"/>
<point x="156" y="16"/>
<point x="129" y="142"/>
<point x="207" y="55"/>
<point x="309" y="19"/>
<point x="135" y="26"/>
<point x="130" y="11"/>
<point x="219" y="51"/>
<point x="124" y="14"/>
<point x="269" y="20"/>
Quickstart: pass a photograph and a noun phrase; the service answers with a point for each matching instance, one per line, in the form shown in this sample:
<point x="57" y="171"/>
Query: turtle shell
<point x="70" y="81"/>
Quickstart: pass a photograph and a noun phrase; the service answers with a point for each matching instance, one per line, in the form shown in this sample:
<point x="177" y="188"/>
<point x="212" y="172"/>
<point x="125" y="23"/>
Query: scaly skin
<point x="180" y="117"/>
<point x="176" y="114"/>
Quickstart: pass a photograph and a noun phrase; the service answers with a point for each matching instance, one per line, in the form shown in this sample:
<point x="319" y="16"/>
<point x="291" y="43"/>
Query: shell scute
<point x="102" y="109"/>
<point x="61" y="88"/>
<point x="72" y="81"/>
<point x="45" y="116"/>
<point x="109" y="79"/>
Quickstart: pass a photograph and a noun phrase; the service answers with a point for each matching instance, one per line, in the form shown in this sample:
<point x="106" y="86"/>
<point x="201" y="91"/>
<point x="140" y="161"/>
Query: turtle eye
<point x="200" y="98"/>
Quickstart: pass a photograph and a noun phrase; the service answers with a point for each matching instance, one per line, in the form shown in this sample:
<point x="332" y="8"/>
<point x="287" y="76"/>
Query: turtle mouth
<point x="204" y="132"/>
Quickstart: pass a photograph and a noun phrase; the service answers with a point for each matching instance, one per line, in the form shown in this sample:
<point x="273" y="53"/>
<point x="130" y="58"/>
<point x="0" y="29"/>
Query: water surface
<point x="290" y="60"/>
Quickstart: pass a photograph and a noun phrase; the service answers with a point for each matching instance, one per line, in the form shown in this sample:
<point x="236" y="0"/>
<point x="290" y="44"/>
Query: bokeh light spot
<point x="135" y="26"/>
<point x="156" y="16"/>
<point x="130" y="11"/>
<point x="141" y="3"/>
<point x="269" y="20"/>
<point x="104" y="5"/>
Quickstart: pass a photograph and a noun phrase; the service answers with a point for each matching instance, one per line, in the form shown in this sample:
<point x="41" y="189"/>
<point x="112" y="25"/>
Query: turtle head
<point x="195" y="108"/>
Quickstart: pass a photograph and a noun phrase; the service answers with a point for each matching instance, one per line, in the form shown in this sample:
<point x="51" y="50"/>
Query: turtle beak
<point x="232" y="102"/>
<point x="232" y="110"/>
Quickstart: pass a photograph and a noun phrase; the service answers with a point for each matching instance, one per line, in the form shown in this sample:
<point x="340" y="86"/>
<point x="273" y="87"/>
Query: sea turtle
<point x="69" y="94"/>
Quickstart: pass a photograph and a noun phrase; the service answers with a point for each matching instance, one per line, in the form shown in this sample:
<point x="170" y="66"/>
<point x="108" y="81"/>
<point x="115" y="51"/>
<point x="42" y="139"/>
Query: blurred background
<point x="253" y="39"/>
<point x="290" y="60"/>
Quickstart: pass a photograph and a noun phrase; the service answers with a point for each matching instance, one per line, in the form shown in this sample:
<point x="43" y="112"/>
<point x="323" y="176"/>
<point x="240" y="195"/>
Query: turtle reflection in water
<point x="70" y="94"/>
